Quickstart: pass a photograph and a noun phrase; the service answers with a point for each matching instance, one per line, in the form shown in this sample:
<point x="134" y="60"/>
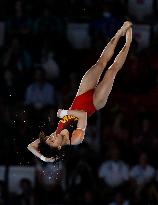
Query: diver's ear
<point x="59" y="147"/>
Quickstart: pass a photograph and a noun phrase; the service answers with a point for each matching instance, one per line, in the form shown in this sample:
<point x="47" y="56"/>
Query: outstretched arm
<point x="33" y="147"/>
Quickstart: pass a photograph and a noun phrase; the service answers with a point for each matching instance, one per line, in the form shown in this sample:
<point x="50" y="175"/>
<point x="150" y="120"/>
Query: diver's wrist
<point x="42" y="158"/>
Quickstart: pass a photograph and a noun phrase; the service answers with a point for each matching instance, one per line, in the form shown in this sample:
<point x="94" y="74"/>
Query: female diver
<point x="92" y="95"/>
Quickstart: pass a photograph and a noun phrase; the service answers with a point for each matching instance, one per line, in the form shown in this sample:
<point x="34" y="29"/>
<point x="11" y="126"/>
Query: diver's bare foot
<point x="125" y="27"/>
<point x="129" y="35"/>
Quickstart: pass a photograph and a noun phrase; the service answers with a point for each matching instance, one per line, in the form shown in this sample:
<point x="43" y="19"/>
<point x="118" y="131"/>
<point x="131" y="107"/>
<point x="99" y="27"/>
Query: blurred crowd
<point x="45" y="48"/>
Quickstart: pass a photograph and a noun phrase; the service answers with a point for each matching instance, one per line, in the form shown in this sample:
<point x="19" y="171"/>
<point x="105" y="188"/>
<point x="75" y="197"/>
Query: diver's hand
<point x="51" y="159"/>
<point x="58" y="113"/>
<point x="61" y="113"/>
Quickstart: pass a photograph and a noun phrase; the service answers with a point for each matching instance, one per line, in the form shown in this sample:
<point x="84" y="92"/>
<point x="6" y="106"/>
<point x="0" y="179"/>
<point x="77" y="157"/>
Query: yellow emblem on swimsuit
<point x="67" y="118"/>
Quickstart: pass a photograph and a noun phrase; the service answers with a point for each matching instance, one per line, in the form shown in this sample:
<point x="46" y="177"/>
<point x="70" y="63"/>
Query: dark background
<point x="51" y="44"/>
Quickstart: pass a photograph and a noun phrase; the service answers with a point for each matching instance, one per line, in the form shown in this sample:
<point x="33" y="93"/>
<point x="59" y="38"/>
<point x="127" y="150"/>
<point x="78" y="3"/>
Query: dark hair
<point x="48" y="151"/>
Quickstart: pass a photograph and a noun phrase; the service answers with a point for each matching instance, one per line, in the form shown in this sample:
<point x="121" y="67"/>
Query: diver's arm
<point x="78" y="134"/>
<point x="81" y="115"/>
<point x="33" y="147"/>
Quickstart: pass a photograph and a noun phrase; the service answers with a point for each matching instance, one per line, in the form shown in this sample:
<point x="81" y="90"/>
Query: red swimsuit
<point x="82" y="102"/>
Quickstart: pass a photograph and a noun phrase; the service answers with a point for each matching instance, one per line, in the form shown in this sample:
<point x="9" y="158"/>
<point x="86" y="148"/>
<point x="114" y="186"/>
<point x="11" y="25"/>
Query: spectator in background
<point x="114" y="172"/>
<point x="19" y="24"/>
<point x="17" y="57"/>
<point x="40" y="93"/>
<point x="27" y="196"/>
<point x="104" y="27"/>
<point x="49" y="27"/>
<point x="143" y="172"/>
<point x="119" y="199"/>
<point x="141" y="176"/>
<point x="50" y="66"/>
<point x="141" y="9"/>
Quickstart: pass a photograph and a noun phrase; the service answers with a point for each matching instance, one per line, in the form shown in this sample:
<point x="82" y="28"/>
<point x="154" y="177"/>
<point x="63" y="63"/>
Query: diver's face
<point x="54" y="140"/>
